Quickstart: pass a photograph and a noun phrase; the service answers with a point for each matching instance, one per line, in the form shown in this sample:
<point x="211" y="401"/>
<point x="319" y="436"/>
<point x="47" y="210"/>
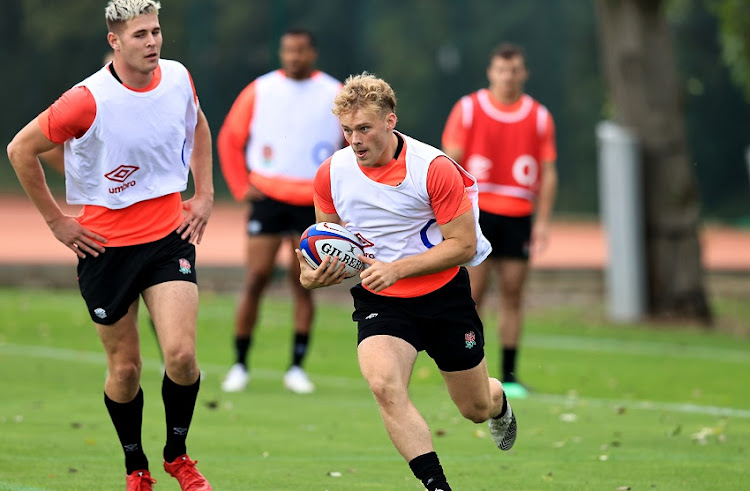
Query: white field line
<point x="63" y="354"/>
<point x="15" y="487"/>
<point x="645" y="348"/>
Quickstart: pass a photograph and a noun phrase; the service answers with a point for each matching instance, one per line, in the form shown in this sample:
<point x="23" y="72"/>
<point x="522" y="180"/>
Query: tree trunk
<point x="640" y="71"/>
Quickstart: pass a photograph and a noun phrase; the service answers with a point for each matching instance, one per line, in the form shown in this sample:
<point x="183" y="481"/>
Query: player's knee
<point x="386" y="392"/>
<point x="180" y="359"/>
<point x="126" y="373"/>
<point x="256" y="282"/>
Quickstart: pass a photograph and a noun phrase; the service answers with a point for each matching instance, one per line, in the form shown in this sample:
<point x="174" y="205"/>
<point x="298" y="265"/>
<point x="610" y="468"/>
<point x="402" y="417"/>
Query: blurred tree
<point x="640" y="69"/>
<point x="734" y="35"/>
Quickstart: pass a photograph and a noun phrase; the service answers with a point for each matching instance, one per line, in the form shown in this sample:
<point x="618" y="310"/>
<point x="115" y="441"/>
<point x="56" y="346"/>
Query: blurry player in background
<point x="506" y="140"/>
<point x="278" y="131"/>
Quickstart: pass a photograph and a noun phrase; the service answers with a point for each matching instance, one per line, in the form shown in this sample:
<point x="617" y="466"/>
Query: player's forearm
<point x="201" y="163"/>
<point x="22" y="153"/>
<point x="547" y="193"/>
<point x="445" y="255"/>
<point x="233" y="164"/>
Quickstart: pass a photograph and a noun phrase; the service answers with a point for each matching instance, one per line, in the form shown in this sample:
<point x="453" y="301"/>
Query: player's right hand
<point x="330" y="272"/>
<point x="77" y="238"/>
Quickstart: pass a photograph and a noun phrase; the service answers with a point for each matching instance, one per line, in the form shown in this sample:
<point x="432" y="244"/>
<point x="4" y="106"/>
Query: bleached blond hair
<point x="119" y="11"/>
<point x="365" y="91"/>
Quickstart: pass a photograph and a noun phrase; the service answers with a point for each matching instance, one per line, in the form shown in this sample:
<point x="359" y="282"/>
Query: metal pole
<point x="621" y="202"/>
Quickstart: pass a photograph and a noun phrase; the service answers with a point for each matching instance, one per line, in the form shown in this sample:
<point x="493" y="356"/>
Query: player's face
<point x="297" y="56"/>
<point x="507" y="76"/>
<point x="370" y="134"/>
<point x="139" y="43"/>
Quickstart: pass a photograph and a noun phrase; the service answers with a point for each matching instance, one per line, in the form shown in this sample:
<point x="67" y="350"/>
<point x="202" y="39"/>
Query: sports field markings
<point x="10" y="486"/>
<point x="646" y="348"/>
<point x="63" y="354"/>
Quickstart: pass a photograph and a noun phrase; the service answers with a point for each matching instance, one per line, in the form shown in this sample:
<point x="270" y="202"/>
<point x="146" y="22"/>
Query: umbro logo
<point x="179" y="431"/>
<point x="131" y="447"/>
<point x="121" y="173"/>
<point x="371" y="316"/>
<point x="100" y="313"/>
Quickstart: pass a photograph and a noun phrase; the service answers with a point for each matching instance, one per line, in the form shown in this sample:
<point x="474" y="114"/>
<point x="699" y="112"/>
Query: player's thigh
<point x="512" y="274"/>
<point x="479" y="277"/>
<point x="120" y="340"/>
<point x="173" y="306"/>
<point x="386" y="361"/>
<point x="260" y="253"/>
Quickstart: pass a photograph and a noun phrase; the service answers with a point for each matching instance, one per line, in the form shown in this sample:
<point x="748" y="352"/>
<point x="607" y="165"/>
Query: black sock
<point x="504" y="408"/>
<point x="509" y="364"/>
<point x="427" y="469"/>
<point x="179" y="403"/>
<point x="299" y="349"/>
<point x="241" y="348"/>
<point x="127" y="418"/>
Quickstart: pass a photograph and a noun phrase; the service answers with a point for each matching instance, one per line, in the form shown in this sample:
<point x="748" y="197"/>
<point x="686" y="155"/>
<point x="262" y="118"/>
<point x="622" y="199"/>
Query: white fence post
<point x="621" y="204"/>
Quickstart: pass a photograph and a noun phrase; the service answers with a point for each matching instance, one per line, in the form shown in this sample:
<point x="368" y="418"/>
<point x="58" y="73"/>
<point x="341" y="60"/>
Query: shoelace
<point x="145" y="482"/>
<point x="188" y="475"/>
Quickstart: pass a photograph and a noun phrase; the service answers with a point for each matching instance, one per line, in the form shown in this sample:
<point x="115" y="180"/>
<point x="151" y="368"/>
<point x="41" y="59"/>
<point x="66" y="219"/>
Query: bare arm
<point x="198" y="208"/>
<point x="23" y="152"/>
<point x="545" y="203"/>
<point x="459" y="245"/>
<point x="55" y="158"/>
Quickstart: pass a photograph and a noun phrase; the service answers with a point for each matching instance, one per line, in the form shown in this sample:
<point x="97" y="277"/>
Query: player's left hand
<point x="197" y="211"/>
<point x="378" y="275"/>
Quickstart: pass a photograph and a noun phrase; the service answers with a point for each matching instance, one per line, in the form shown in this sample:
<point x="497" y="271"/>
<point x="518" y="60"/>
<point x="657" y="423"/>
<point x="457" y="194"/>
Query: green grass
<point x="636" y="407"/>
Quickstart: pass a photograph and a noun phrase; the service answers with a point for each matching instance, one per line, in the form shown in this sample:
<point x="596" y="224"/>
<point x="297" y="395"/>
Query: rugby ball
<point x="331" y="239"/>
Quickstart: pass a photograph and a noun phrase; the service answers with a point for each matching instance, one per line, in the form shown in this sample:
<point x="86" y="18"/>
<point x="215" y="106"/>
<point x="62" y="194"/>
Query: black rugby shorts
<point x="268" y="216"/>
<point x="510" y="236"/>
<point x="111" y="282"/>
<point x="443" y="323"/>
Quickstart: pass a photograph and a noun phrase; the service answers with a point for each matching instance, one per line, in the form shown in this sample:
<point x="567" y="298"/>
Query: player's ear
<point x="391" y="121"/>
<point x="113" y="40"/>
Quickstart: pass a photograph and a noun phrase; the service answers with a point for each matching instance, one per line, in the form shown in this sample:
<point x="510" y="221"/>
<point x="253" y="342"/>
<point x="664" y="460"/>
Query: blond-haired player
<point x="132" y="132"/>
<point x="414" y="210"/>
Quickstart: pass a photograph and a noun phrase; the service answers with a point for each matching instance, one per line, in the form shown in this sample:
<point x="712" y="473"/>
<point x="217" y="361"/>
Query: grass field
<point x="614" y="407"/>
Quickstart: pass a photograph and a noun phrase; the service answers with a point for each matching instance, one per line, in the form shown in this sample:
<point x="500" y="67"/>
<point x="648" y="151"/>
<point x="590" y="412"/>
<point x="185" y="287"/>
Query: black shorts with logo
<point x="268" y="216"/>
<point x="509" y="236"/>
<point x="111" y="282"/>
<point x="444" y="323"/>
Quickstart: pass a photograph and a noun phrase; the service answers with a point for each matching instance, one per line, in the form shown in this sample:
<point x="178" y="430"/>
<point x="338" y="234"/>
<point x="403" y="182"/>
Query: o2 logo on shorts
<point x="184" y="266"/>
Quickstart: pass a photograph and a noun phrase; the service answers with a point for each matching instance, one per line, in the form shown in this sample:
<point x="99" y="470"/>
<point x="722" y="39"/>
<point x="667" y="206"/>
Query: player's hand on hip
<point x="330" y="272"/>
<point x="378" y="275"/>
<point x="198" y="210"/>
<point x="77" y="238"/>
